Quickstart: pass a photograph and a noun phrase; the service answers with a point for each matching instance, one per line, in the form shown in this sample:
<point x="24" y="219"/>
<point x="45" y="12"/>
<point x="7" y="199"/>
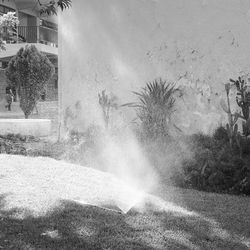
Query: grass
<point x="220" y="222"/>
<point x="223" y="222"/>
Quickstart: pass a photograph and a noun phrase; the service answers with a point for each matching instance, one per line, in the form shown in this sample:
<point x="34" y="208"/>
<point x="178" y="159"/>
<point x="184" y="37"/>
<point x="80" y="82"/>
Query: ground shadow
<point x="220" y="217"/>
<point x="72" y="227"/>
<point x="75" y="226"/>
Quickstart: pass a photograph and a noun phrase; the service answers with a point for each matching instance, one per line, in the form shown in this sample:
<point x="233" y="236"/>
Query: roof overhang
<point x="12" y="49"/>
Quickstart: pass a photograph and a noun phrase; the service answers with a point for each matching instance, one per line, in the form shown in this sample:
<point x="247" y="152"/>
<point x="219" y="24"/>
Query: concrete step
<point x="11" y="115"/>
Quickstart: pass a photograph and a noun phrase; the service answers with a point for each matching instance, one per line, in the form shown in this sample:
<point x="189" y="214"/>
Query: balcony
<point x="31" y="34"/>
<point x="45" y="39"/>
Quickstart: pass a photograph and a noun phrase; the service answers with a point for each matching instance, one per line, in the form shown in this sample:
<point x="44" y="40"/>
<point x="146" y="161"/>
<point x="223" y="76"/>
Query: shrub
<point x="8" y="23"/>
<point x="154" y="108"/>
<point x="214" y="165"/>
<point x="12" y="144"/>
<point x="243" y="101"/>
<point x="82" y="148"/>
<point x="220" y="134"/>
<point x="107" y="103"/>
<point x="29" y="71"/>
<point x="221" y="162"/>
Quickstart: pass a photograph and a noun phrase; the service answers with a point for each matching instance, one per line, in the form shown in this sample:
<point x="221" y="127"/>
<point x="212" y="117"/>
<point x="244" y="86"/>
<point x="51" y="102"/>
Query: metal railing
<point x="31" y="34"/>
<point x="28" y="34"/>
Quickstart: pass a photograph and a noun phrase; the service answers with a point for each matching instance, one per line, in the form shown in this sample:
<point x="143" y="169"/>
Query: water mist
<point x="120" y="152"/>
<point x="120" y="45"/>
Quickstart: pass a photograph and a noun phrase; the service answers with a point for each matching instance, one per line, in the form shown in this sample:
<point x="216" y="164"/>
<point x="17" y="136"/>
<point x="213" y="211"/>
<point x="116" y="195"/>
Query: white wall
<point x="120" y="45"/>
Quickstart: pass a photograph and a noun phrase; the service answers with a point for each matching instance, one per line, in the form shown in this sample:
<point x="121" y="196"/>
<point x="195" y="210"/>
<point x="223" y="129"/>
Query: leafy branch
<point x="51" y="7"/>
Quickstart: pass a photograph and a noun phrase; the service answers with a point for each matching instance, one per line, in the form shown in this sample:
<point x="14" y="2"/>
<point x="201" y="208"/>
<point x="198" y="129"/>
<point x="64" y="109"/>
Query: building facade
<point x="35" y="29"/>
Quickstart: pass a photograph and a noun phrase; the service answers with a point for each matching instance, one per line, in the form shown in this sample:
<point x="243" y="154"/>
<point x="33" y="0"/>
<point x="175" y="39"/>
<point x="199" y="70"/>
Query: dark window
<point x="49" y="25"/>
<point x="4" y="65"/>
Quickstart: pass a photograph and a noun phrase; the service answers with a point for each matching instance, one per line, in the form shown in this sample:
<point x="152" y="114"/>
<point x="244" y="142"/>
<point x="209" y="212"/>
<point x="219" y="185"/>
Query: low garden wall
<point x="33" y="127"/>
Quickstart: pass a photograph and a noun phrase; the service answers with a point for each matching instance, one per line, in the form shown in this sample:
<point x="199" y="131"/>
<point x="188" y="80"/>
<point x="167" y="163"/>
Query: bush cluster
<point x="214" y="166"/>
<point x="218" y="162"/>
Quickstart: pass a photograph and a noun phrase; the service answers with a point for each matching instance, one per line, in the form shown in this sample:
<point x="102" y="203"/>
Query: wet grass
<point x="223" y="222"/>
<point x="74" y="226"/>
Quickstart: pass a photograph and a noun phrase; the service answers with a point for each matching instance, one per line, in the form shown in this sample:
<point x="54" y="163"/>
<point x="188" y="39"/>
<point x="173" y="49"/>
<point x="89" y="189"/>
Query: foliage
<point x="221" y="162"/>
<point x="12" y="144"/>
<point x="107" y="104"/>
<point x="82" y="148"/>
<point x="243" y="101"/>
<point x="19" y="138"/>
<point x="232" y="126"/>
<point x="51" y="7"/>
<point x="155" y="107"/>
<point x="7" y="24"/>
<point x="28" y="145"/>
<point x="8" y="20"/>
<point x="214" y="166"/>
<point x="29" y="71"/>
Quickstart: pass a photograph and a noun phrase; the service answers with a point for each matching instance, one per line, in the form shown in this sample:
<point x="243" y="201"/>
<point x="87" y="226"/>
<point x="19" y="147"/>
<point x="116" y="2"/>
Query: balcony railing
<point x="28" y="34"/>
<point x="31" y="34"/>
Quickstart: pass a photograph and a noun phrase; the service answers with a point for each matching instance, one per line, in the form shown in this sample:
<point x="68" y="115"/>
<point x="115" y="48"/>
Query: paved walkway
<point x="46" y="110"/>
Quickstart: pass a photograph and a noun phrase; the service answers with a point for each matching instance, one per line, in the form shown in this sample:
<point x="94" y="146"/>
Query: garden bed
<point x="30" y="127"/>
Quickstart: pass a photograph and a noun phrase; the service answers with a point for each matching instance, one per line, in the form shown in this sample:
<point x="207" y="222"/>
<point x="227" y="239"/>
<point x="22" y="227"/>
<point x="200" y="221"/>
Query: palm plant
<point x="155" y="107"/>
<point x="51" y="7"/>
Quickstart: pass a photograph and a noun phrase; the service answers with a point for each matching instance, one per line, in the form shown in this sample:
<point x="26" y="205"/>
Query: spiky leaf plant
<point x="154" y="108"/>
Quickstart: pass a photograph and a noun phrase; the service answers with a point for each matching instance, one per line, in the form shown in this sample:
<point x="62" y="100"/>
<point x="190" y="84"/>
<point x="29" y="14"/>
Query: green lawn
<point x="218" y="222"/>
<point x="221" y="222"/>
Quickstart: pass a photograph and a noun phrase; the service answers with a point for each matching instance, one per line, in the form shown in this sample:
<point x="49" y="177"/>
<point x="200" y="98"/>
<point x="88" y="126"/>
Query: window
<point x="49" y="25"/>
<point x="4" y="65"/>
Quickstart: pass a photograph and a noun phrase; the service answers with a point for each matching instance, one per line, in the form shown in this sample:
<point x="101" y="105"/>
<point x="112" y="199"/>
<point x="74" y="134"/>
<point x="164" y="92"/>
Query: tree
<point x="29" y="71"/>
<point x="52" y="6"/>
<point x="7" y="24"/>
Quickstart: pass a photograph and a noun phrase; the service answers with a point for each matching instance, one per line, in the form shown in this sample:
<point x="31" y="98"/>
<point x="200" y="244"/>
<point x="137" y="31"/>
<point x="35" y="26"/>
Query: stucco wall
<point x="120" y="45"/>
